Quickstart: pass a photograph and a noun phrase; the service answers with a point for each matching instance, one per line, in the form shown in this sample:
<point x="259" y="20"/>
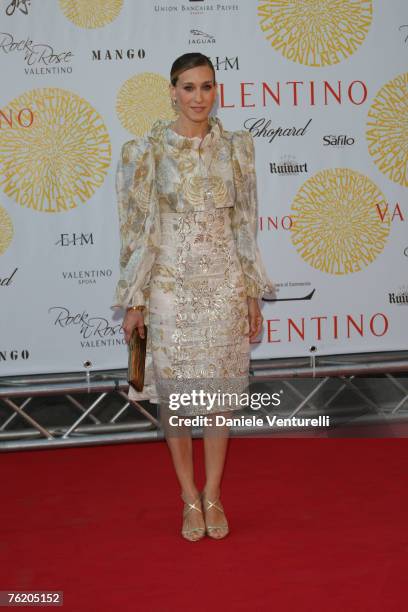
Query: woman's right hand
<point x="132" y="319"/>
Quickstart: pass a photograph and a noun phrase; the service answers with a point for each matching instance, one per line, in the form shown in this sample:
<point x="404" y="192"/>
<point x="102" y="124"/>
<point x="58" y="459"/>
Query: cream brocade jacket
<point x="160" y="172"/>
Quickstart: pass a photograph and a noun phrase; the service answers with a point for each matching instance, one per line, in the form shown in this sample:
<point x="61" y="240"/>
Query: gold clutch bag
<point x="137" y="360"/>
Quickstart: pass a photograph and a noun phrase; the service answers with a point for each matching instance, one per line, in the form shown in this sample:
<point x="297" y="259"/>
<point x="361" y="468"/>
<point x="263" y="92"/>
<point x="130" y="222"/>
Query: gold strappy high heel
<point x="223" y="528"/>
<point x="188" y="534"/>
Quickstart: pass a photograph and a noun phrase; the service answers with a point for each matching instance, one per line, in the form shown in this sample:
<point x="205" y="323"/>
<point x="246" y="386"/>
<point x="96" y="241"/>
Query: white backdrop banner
<point x="323" y="88"/>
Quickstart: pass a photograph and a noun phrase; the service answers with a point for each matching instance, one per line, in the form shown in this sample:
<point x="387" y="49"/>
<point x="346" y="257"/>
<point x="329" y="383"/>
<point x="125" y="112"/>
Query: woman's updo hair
<point x="187" y="61"/>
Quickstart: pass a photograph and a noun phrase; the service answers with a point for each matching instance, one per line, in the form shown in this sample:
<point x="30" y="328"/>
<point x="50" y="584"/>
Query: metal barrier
<point x="27" y="403"/>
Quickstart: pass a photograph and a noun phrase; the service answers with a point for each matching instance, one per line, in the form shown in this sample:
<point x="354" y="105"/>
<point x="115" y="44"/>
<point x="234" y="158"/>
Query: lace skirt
<point x="198" y="316"/>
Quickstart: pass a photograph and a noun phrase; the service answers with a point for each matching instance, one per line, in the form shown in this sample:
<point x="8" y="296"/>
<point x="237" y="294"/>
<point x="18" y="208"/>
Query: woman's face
<point x="195" y="93"/>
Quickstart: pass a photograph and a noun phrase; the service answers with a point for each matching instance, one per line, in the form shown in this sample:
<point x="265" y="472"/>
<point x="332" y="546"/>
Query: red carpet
<point x="315" y="524"/>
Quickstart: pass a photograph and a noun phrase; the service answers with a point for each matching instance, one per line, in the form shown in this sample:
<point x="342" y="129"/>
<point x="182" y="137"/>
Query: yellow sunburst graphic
<point x="336" y="225"/>
<point x="6" y="230"/>
<point x="91" y="13"/>
<point x="315" y="32"/>
<point x="55" y="152"/>
<point x="141" y="100"/>
<point x="387" y="130"/>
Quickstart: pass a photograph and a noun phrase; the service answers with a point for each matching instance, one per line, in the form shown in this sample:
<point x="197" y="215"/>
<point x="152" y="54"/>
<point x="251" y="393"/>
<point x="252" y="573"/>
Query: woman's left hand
<point x="255" y="318"/>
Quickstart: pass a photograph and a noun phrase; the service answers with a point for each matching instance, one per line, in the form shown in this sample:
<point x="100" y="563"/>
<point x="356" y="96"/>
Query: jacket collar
<point x="161" y="131"/>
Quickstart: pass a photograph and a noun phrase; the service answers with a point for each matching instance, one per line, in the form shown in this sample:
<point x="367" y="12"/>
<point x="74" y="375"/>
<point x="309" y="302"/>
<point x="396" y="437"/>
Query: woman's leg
<point x="181" y="450"/>
<point x="215" y="450"/>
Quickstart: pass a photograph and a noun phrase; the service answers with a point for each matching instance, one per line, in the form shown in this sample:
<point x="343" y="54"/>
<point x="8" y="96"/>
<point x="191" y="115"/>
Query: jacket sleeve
<point x="245" y="216"/>
<point x="139" y="221"/>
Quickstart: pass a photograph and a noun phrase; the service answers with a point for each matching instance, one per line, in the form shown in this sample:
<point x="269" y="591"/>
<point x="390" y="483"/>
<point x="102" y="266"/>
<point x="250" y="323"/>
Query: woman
<point x="191" y="271"/>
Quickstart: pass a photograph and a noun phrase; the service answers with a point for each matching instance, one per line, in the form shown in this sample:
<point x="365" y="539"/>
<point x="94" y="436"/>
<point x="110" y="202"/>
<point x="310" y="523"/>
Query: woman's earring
<point x="174" y="103"/>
